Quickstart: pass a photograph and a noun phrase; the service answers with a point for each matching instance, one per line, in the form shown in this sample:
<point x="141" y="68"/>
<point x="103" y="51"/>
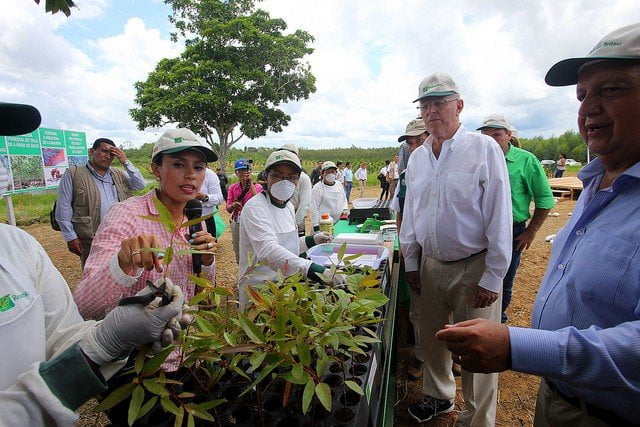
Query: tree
<point x="237" y="68"/>
<point x="55" y="6"/>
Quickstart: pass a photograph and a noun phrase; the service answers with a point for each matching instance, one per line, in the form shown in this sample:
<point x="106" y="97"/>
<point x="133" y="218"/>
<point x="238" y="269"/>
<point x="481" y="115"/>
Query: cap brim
<point x="493" y="127"/>
<point x="434" y="94"/>
<point x="414" y="133"/>
<point x="279" y="162"/>
<point x="565" y="72"/>
<point x="209" y="155"/>
<point x="18" y="119"/>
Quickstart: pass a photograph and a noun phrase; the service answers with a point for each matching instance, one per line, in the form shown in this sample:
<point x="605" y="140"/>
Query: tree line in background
<point x="569" y="143"/>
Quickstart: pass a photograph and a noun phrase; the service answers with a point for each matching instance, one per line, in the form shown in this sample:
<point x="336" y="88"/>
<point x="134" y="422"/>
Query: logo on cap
<point x="177" y="140"/>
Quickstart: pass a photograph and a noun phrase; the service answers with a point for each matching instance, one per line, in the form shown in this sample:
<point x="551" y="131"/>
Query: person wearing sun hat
<point x="122" y="259"/>
<point x="301" y="198"/>
<point x="456" y="242"/>
<point x="327" y="196"/>
<point x="269" y="240"/>
<point x="586" y="317"/>
<point x="528" y="183"/>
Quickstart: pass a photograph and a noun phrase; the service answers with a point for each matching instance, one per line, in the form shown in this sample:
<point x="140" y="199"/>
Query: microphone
<point x="193" y="210"/>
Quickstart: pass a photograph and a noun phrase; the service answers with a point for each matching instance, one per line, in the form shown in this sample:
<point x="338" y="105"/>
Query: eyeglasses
<point x="279" y="177"/>
<point x="439" y="104"/>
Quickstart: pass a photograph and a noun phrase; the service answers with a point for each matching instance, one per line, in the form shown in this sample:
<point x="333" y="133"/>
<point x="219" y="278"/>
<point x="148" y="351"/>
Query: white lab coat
<point x="211" y="187"/>
<point x="327" y="198"/>
<point x="301" y="199"/>
<point x="38" y="320"/>
<point x="268" y="234"/>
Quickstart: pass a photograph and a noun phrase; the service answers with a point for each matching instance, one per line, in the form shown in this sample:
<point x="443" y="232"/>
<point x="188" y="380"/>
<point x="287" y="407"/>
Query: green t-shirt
<point x="528" y="181"/>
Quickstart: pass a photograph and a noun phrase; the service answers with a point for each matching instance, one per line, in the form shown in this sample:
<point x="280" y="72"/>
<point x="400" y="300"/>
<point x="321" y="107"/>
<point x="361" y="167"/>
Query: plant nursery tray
<point x="327" y="254"/>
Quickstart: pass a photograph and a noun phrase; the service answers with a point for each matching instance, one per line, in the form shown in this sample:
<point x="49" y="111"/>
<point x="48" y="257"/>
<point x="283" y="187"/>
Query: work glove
<point x="132" y="326"/>
<point x="321" y="237"/>
<point x="335" y="278"/>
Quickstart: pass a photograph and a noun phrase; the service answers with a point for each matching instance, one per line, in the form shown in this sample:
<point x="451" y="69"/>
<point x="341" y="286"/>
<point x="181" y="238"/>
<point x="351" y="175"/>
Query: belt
<point x="462" y="259"/>
<point x="605" y="415"/>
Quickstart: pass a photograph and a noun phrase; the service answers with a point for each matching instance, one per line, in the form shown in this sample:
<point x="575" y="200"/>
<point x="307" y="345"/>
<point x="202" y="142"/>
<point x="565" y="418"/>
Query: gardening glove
<point x="131" y="326"/>
<point x="335" y="278"/>
<point x="321" y="237"/>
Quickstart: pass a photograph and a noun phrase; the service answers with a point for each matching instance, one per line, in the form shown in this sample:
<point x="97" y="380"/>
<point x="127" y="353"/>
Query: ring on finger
<point x="135" y="253"/>
<point x="209" y="245"/>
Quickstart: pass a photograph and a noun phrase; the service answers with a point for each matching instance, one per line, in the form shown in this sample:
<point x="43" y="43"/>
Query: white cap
<point x="282" y="156"/>
<point x="436" y="84"/>
<point x="496" y="121"/>
<point x="176" y="140"/>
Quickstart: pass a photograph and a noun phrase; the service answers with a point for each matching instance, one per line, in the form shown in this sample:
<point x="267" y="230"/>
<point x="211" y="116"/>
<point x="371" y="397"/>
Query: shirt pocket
<point x="79" y="197"/>
<point x="459" y="186"/>
<point x="602" y="270"/>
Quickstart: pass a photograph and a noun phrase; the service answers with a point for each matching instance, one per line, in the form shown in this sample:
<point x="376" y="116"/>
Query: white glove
<point x="321" y="237"/>
<point x="335" y="278"/>
<point x="131" y="326"/>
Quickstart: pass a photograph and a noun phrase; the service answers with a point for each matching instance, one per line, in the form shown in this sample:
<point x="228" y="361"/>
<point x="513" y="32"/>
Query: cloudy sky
<point x="369" y="59"/>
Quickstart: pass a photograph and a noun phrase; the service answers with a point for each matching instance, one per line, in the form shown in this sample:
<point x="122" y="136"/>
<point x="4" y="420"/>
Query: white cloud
<point x="369" y="58"/>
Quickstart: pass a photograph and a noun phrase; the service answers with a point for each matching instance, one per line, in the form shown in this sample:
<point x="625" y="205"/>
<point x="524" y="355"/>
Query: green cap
<point x="622" y="44"/>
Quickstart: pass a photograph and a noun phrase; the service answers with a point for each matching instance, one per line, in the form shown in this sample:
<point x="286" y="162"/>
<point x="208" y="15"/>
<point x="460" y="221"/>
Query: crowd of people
<point x="463" y="202"/>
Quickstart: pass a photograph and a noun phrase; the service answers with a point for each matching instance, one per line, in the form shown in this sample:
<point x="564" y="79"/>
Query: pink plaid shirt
<point x="102" y="285"/>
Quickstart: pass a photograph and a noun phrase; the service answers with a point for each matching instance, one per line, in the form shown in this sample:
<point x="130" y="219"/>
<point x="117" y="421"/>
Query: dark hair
<point x="339" y="163"/>
<point x="347" y="164"/>
<point x="97" y="142"/>
<point x="157" y="159"/>
<point x="564" y="156"/>
<point x="386" y="162"/>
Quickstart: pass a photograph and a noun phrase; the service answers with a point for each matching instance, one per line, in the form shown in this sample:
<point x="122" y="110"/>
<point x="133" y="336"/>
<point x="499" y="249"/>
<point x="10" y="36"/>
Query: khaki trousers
<point x="446" y="296"/>
<point x="553" y="411"/>
<point x="235" y="239"/>
<point x="414" y="317"/>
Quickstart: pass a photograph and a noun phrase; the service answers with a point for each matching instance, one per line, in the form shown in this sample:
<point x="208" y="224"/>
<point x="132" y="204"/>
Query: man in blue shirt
<point x="585" y="339"/>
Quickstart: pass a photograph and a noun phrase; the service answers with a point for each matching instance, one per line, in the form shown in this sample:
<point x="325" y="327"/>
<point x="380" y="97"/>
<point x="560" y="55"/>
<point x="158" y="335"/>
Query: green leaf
<point x="169" y="406"/>
<point x="304" y="353"/>
<point x="140" y="358"/>
<point x="179" y="417"/>
<point x="256" y="359"/>
<point x="296" y="322"/>
<point x="251" y="329"/>
<point x="134" y="406"/>
<point x="355" y="387"/>
<point x="155" y="388"/>
<point x="116" y="397"/>
<point x="209" y="405"/>
<point x="229" y="338"/>
<point x="263" y="374"/>
<point x="191" y="422"/>
<point x="203" y="324"/>
<point x="280" y="324"/>
<point x="297" y="371"/>
<point x="321" y="365"/>
<point x="335" y="314"/>
<point x="342" y="250"/>
<point x="147" y="406"/>
<point x="168" y="256"/>
<point x="324" y="394"/>
<point x="307" y="395"/>
<point x="195" y="221"/>
<point x="154" y="363"/>
<point x="165" y="216"/>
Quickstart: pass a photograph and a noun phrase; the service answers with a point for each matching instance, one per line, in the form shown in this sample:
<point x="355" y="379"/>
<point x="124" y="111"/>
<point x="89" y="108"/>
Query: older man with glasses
<point x="456" y="241"/>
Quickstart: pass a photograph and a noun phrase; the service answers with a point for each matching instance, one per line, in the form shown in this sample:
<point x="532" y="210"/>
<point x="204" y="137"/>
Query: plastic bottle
<point x="326" y="223"/>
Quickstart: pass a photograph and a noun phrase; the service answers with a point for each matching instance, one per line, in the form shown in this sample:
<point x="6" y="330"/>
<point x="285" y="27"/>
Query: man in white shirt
<point x="457" y="213"/>
<point x="210" y="195"/>
<point x="393" y="175"/>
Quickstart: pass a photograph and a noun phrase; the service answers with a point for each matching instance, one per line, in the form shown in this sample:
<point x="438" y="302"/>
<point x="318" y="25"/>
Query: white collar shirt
<point x="459" y="204"/>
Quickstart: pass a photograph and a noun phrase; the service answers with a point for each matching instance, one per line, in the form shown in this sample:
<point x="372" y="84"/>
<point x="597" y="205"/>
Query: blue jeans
<point x="347" y="189"/>
<point x="507" y="282"/>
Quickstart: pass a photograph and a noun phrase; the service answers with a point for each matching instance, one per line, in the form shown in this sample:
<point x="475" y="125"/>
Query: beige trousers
<point x="414" y="317"/>
<point x="553" y="411"/>
<point x="235" y="239"/>
<point x="446" y="296"/>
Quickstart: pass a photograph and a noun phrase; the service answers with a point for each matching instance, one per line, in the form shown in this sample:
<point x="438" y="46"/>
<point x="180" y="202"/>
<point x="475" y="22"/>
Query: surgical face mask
<point x="282" y="190"/>
<point x="330" y="178"/>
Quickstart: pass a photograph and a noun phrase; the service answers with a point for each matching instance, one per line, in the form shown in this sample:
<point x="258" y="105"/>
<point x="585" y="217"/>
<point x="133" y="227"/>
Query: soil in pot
<point x="358" y="370"/>
<point x="336" y="368"/>
<point x="289" y="421"/>
<point x="350" y="398"/>
<point x="231" y="392"/>
<point x="333" y="381"/>
<point x="344" y="416"/>
<point x="318" y="412"/>
<point x="240" y="415"/>
<point x="272" y="404"/>
<point x="361" y="358"/>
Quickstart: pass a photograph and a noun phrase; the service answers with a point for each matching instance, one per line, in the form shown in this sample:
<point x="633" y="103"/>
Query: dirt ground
<point x="516" y="396"/>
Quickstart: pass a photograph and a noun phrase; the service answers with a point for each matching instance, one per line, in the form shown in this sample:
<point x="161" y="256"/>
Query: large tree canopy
<point x="237" y="68"/>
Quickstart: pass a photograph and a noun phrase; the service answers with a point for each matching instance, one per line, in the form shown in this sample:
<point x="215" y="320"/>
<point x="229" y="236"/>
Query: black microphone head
<point x="193" y="209"/>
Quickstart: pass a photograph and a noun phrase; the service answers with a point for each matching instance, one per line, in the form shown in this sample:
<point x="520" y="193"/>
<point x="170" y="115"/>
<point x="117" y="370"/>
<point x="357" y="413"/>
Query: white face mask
<point x="282" y="190"/>
<point x="330" y="178"/>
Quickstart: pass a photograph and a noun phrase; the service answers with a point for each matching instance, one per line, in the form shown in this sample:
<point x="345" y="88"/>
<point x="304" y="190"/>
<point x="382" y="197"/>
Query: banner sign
<point x="37" y="160"/>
